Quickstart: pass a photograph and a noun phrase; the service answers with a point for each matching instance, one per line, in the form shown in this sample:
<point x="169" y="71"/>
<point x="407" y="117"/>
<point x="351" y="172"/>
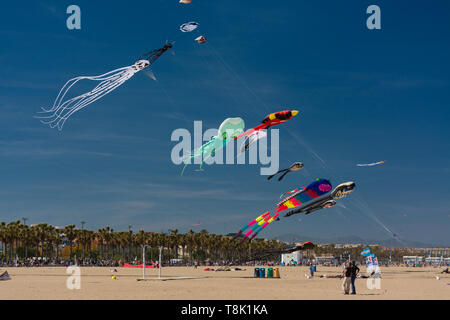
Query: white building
<point x="290" y="258"/>
<point x="412" y="259"/>
<point x="325" y="260"/>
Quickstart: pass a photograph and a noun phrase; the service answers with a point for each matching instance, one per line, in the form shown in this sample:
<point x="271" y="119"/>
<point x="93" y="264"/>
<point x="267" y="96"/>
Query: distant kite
<point x="189" y="26"/>
<point x="200" y="39"/>
<point x="185" y="1"/>
<point x="294" y="167"/>
<point x="370" y="164"/>
<point x="197" y="224"/>
<point x="62" y="108"/>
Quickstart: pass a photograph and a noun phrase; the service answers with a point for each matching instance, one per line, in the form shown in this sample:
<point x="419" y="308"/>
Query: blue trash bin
<point x="256" y="273"/>
<point x="262" y="272"/>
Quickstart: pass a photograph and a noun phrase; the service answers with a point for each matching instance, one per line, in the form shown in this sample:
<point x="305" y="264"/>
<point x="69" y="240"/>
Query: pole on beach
<point x="143" y="262"/>
<point x="160" y="264"/>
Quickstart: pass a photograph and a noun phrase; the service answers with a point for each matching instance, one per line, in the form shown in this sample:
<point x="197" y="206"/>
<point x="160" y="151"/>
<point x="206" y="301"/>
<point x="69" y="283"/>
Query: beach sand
<point x="96" y="283"/>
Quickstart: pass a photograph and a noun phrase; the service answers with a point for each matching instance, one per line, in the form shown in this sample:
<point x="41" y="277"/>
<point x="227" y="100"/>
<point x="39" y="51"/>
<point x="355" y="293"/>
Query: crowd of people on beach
<point x="47" y="262"/>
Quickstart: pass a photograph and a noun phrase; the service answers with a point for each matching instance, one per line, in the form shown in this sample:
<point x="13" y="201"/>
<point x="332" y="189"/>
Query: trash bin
<point x="256" y="273"/>
<point x="262" y="273"/>
<point x="269" y="272"/>
<point x="276" y="273"/>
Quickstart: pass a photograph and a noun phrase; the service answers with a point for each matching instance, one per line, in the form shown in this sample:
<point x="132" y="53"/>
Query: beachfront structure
<point x="326" y="260"/>
<point x="291" y="258"/>
<point x="412" y="259"/>
<point x="437" y="261"/>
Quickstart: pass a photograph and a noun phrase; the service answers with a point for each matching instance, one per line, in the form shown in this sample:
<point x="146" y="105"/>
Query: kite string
<point x="297" y="138"/>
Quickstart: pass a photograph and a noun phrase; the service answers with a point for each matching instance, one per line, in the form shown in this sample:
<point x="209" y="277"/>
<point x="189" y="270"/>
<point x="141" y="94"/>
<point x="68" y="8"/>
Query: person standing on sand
<point x="347" y="275"/>
<point x="355" y="271"/>
<point x="311" y="270"/>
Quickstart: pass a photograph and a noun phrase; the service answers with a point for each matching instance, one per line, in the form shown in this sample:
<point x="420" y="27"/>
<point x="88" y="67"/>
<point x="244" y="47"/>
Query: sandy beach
<point x="96" y="283"/>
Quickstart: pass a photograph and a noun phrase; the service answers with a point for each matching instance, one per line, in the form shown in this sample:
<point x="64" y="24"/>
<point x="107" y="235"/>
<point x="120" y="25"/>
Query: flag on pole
<point x="365" y="252"/>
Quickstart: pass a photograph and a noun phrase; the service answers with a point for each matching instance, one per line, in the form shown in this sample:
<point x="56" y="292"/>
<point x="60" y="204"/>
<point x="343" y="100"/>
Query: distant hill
<point x="358" y="240"/>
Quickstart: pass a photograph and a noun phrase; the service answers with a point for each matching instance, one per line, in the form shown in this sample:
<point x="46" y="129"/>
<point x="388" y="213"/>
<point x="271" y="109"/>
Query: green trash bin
<point x="269" y="272"/>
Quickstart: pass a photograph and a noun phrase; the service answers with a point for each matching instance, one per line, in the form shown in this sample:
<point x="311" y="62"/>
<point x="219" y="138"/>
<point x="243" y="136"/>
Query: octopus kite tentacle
<point x="62" y="109"/>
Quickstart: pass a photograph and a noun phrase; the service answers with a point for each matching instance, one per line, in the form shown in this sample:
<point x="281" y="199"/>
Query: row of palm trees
<point x="43" y="240"/>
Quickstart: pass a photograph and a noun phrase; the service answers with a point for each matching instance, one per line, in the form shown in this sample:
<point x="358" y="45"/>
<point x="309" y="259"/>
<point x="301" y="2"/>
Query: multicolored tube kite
<point x="256" y="227"/>
<point x="264" y="225"/>
<point x="312" y="191"/>
<point x="250" y="224"/>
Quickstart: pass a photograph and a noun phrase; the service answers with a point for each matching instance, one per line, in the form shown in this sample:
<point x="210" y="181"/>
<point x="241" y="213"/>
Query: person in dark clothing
<point x="354" y="272"/>
<point x="346" y="274"/>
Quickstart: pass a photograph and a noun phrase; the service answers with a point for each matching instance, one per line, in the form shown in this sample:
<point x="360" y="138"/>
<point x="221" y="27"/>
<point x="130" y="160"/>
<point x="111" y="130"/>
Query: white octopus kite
<point x="62" y="108"/>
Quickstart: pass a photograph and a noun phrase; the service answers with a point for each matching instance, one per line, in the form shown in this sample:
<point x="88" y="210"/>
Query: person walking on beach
<point x="311" y="270"/>
<point x="355" y="271"/>
<point x="347" y="275"/>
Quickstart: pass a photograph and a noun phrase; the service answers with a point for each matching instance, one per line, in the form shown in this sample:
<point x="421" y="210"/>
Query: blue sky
<point x="364" y="96"/>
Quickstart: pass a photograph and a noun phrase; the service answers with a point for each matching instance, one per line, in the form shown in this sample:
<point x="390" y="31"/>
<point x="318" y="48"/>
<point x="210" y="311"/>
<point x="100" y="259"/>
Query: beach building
<point x="326" y="260"/>
<point x="412" y="259"/>
<point x="433" y="260"/>
<point x="291" y="258"/>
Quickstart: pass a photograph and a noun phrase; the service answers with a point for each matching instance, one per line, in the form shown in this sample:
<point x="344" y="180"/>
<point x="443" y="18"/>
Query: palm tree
<point x="70" y="234"/>
<point x="190" y="242"/>
<point x="3" y="238"/>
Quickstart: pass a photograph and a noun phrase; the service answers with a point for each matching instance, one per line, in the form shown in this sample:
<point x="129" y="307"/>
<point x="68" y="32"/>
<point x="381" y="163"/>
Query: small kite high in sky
<point x="62" y="108"/>
<point x="370" y="164"/>
<point x="185" y="1"/>
<point x="260" y="131"/>
<point x="294" y="167"/>
<point x="228" y="130"/>
<point x="189" y="26"/>
<point x="200" y="39"/>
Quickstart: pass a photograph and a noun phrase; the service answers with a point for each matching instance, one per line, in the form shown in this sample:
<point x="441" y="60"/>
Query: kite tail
<point x="264" y="225"/>
<point x="282" y="176"/>
<point x="261" y="217"/>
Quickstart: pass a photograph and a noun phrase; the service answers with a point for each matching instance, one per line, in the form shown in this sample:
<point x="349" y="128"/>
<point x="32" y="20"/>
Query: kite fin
<point x="149" y="73"/>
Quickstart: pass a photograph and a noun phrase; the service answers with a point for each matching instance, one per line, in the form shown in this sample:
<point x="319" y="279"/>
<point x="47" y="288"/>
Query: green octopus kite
<point x="228" y="131"/>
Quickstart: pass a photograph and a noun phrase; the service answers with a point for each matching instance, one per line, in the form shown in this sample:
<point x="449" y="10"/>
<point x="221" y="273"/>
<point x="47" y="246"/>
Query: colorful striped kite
<point x="256" y="227"/>
<point x="312" y="191"/>
<point x="250" y="224"/>
<point x="258" y="230"/>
